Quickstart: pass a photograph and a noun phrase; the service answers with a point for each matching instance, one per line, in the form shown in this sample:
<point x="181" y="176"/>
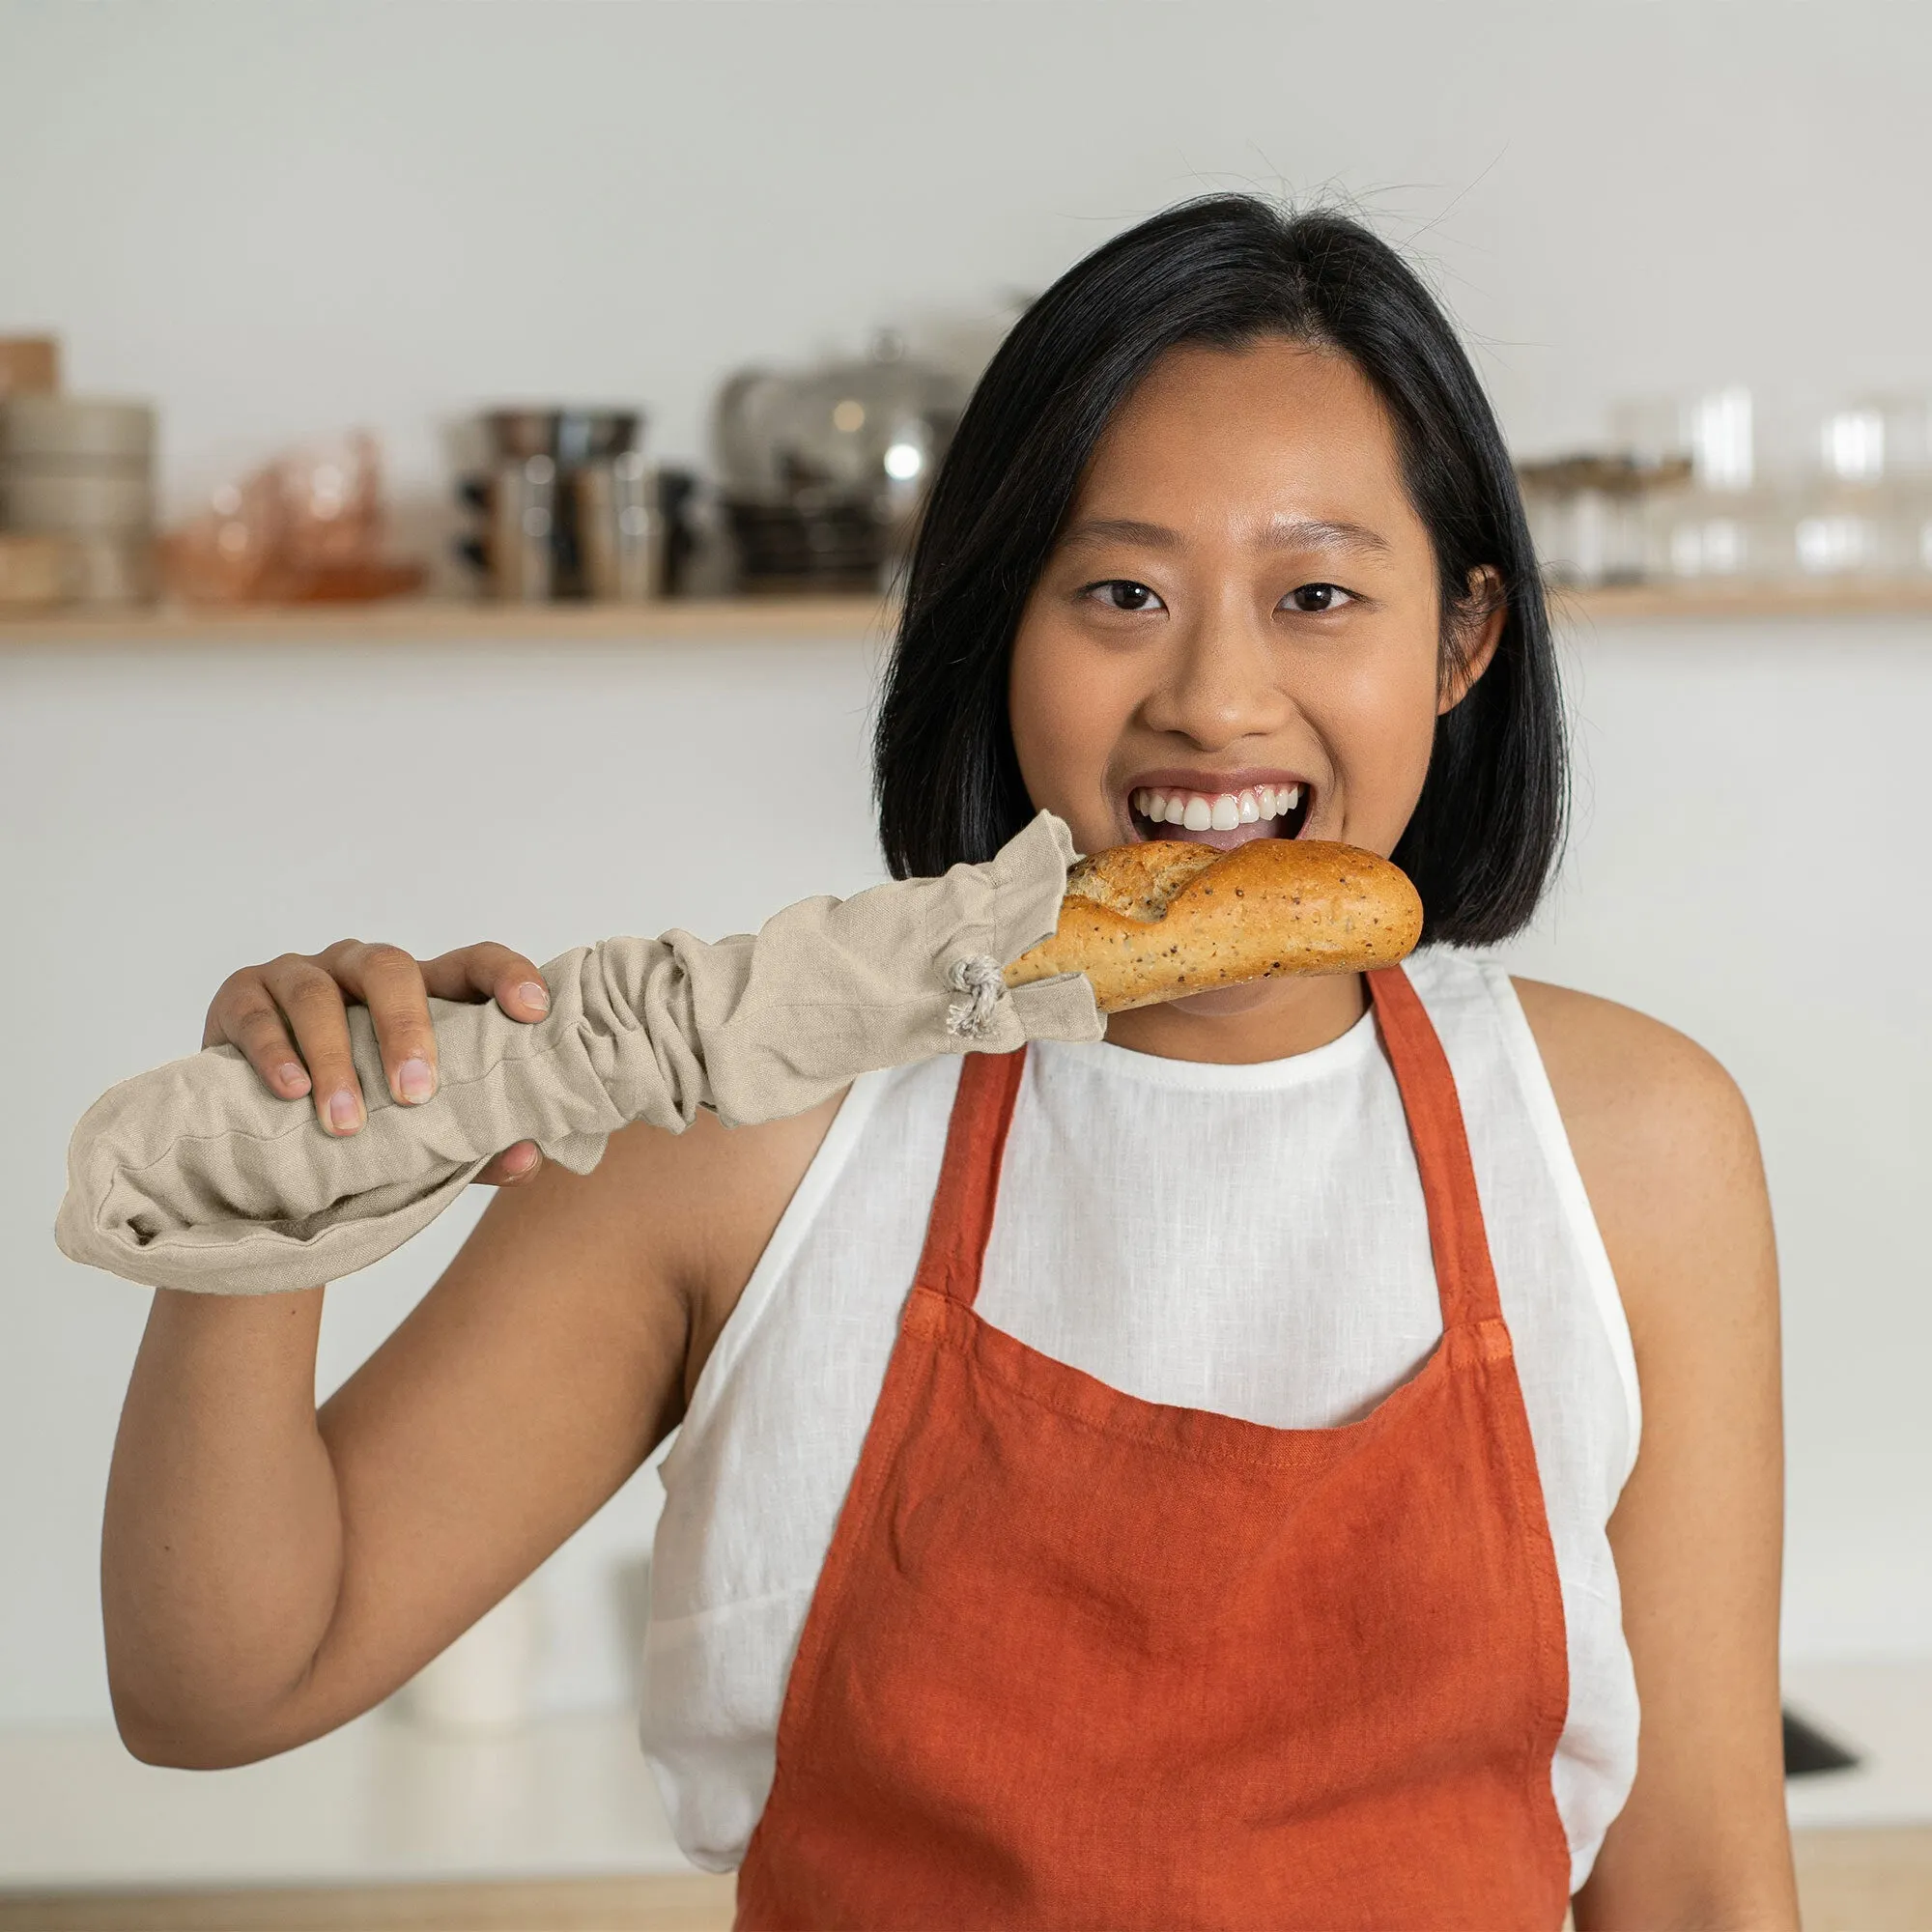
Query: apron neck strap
<point x="1465" y="1278"/>
<point x="968" y="1176"/>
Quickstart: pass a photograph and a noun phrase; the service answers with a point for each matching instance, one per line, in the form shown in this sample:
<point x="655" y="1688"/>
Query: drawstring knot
<point x="977" y="975"/>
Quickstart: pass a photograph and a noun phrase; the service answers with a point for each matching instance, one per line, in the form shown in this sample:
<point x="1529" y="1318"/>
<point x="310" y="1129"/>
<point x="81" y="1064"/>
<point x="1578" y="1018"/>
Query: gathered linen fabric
<point x="195" y="1176"/>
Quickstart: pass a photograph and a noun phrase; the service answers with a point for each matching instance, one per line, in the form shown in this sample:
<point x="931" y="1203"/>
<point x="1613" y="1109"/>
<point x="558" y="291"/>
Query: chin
<point x="1226" y="1003"/>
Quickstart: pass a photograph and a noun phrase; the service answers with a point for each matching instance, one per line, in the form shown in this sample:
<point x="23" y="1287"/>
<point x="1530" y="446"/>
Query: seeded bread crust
<point x="1162" y="920"/>
<point x="1139" y="881"/>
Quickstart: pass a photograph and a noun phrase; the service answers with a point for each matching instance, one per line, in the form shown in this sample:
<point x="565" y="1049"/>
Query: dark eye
<point x="1122" y="593"/>
<point x="1312" y="597"/>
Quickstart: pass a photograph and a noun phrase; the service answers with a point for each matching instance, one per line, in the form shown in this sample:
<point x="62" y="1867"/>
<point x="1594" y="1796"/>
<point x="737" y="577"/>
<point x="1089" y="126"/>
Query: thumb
<point x="514" y="1164"/>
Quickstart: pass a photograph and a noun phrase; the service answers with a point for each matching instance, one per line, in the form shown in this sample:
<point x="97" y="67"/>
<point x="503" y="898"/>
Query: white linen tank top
<point x="1249" y="1240"/>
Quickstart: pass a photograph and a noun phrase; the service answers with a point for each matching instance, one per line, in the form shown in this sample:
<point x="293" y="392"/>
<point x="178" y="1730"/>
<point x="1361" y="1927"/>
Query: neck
<point x="1269" y="1020"/>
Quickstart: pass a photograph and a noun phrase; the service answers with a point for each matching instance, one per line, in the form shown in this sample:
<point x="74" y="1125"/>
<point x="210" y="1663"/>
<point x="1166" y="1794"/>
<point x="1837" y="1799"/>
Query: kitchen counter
<point x="380" y="1801"/>
<point x="559" y="1825"/>
<point x="697" y="1904"/>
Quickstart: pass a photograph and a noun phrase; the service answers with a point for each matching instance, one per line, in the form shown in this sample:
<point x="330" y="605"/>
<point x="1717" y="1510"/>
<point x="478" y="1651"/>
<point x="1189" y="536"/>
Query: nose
<point x="1218" y="683"/>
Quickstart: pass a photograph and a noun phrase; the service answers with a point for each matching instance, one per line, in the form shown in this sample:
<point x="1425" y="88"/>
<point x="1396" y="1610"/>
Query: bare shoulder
<point x="1617" y="1070"/>
<point x="1662" y="1135"/>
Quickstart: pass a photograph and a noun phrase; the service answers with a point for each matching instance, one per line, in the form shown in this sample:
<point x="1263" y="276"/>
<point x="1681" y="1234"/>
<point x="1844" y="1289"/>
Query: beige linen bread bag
<point x="195" y="1176"/>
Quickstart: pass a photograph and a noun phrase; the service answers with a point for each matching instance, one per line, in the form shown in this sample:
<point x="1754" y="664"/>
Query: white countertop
<point x="1882" y="1711"/>
<point x="381" y="1799"/>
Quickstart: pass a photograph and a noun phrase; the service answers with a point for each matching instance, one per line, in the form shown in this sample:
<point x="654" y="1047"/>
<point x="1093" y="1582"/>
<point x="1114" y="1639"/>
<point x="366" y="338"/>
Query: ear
<point x="1478" y="621"/>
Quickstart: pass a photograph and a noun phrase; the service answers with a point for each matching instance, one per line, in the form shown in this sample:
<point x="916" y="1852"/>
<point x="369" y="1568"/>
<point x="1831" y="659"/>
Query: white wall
<point x="157" y="831"/>
<point x="1746" y="866"/>
<point x="282" y="219"/>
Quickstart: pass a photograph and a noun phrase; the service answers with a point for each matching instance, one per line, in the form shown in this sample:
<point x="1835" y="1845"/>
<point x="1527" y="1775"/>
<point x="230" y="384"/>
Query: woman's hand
<point x="289" y="1019"/>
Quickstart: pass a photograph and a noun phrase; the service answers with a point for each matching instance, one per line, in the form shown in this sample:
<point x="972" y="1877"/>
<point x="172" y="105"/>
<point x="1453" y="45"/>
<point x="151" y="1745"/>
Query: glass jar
<point x="1709" y="519"/>
<point x="1859" y="509"/>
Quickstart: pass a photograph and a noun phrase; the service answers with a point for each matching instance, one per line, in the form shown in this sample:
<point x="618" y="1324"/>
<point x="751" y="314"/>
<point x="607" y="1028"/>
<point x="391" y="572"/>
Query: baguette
<point x="1165" y="919"/>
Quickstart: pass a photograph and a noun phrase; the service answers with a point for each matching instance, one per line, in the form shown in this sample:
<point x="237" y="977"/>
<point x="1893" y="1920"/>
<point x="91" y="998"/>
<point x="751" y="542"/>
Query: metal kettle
<point x="825" y="470"/>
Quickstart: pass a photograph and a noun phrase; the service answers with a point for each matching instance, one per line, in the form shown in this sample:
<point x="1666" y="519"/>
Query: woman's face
<point x="1236" y="635"/>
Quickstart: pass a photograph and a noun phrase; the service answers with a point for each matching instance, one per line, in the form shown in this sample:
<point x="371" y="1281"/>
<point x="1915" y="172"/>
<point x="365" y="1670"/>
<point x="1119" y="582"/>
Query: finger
<point x="312" y="1004"/>
<point x="514" y="1164"/>
<point x="487" y="971"/>
<point x="244" y="1014"/>
<point x="389" y="982"/>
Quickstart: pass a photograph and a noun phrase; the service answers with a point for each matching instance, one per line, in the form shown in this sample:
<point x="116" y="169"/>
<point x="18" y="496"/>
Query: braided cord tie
<point x="977" y="975"/>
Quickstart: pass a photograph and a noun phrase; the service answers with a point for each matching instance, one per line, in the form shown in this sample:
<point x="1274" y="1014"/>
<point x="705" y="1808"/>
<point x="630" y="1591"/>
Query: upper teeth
<point x="1219" y="811"/>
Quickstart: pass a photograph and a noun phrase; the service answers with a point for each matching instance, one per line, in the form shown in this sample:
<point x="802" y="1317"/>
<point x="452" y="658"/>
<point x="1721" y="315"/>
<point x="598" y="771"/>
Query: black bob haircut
<point x="1224" y="271"/>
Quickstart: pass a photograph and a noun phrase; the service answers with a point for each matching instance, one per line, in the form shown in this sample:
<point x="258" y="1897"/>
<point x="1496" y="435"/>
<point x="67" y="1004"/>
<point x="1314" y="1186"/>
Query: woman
<point x="1252" y="1525"/>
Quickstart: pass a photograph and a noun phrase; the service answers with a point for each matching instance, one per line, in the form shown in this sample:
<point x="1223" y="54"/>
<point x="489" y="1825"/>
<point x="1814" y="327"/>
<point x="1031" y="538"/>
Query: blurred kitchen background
<point x="450" y="458"/>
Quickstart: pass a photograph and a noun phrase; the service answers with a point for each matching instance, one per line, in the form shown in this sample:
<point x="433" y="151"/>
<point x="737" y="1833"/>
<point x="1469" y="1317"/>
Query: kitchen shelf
<point x="461" y="620"/>
<point x="780" y="620"/>
<point x="1907" y="597"/>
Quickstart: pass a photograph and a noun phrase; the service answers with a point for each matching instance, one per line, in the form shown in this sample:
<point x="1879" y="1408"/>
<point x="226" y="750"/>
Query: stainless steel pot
<point x="620" y="531"/>
<point x="522" y="527"/>
<point x="569" y="438"/>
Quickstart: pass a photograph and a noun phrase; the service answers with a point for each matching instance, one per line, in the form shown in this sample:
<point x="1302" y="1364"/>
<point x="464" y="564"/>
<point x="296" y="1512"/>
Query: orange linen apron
<point x="1077" y="1660"/>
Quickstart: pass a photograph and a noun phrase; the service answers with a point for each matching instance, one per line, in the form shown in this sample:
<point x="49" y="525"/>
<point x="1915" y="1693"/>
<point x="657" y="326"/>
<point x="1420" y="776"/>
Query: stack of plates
<point x="81" y="472"/>
<point x="827" y="544"/>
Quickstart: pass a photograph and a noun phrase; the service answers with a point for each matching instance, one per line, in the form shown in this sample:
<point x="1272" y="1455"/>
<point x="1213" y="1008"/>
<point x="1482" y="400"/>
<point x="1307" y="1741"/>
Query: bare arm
<point x="268" y="1570"/>
<point x="1670" y="1161"/>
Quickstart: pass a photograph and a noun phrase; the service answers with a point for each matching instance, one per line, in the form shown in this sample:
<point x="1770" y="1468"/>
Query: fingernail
<point x="293" y="1076"/>
<point x="533" y="993"/>
<point x="342" y="1111"/>
<point x="520" y="1160"/>
<point x="414" y="1080"/>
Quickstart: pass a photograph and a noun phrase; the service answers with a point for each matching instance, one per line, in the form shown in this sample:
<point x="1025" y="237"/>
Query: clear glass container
<point x="1859" y="509"/>
<point x="1586" y="516"/>
<point x="1695" y="536"/>
<point x="1705" y="515"/>
<point x="1711" y="519"/>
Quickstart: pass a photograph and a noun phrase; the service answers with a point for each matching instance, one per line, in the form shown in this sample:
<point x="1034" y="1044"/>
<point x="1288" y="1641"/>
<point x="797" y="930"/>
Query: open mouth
<point x="1224" y="819"/>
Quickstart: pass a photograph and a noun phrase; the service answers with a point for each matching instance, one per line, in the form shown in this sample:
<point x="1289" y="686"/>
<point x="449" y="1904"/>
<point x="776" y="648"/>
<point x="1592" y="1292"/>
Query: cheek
<point x="1382" y="719"/>
<point x="1068" y="708"/>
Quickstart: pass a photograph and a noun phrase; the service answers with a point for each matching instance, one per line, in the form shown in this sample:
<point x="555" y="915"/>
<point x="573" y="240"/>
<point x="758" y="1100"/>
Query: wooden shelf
<point x="781" y="620"/>
<point x="1906" y="597"/>
<point x="458" y="620"/>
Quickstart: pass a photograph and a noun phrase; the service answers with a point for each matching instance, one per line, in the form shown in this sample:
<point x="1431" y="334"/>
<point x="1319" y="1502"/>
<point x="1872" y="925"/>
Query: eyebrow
<point x="1282" y="533"/>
